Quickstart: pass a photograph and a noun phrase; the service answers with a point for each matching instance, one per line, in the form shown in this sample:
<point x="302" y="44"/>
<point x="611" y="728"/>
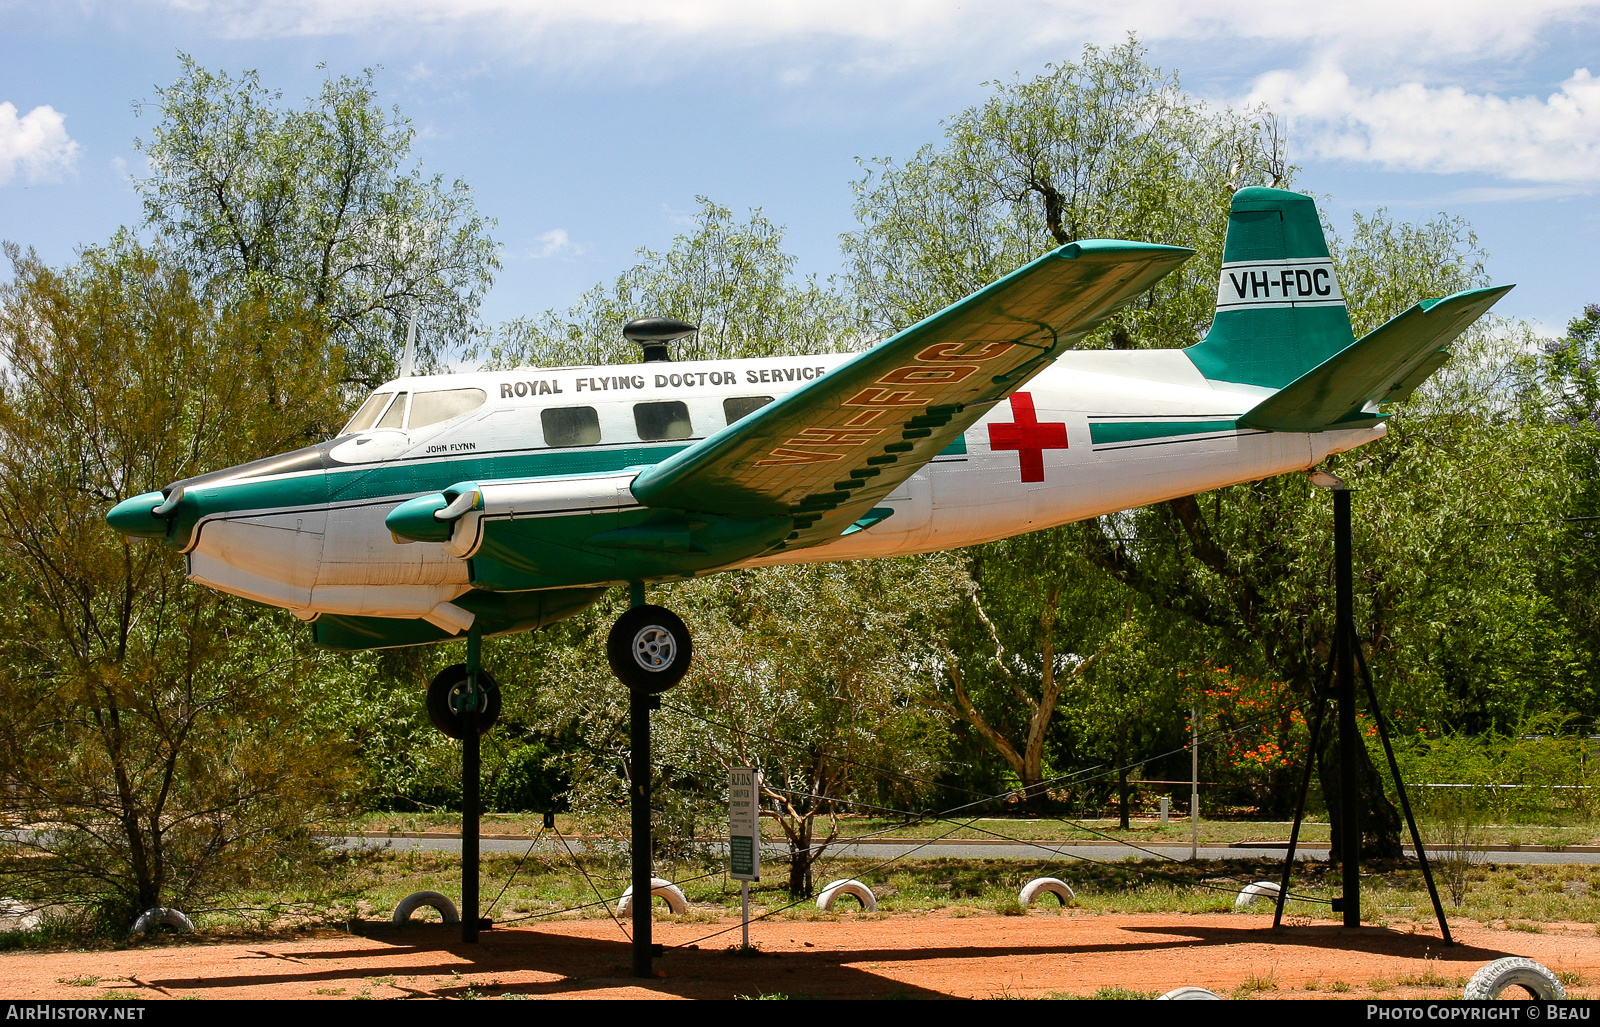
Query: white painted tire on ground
<point x="1251" y="892"/>
<point x="862" y="893"/>
<point x="154" y="917"/>
<point x="416" y="900"/>
<point x="1511" y="972"/>
<point x="1040" y="886"/>
<point x="665" y="889"/>
<point x="1189" y="993"/>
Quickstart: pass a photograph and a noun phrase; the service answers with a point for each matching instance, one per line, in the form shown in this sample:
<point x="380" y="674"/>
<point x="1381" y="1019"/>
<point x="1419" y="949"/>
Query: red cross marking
<point x="1027" y="436"/>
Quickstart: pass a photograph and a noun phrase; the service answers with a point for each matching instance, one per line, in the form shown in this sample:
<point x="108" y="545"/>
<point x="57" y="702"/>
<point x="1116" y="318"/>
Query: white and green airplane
<point x="503" y="501"/>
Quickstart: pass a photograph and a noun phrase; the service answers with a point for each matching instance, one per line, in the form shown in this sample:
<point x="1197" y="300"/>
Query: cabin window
<point x="395" y="416"/>
<point x="368" y="413"/>
<point x="740" y="407"/>
<point x="659" y="421"/>
<point x="570" y="426"/>
<point x="433" y="407"/>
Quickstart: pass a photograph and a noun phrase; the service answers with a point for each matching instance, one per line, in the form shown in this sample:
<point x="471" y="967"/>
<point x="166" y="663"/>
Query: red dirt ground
<point x="954" y="954"/>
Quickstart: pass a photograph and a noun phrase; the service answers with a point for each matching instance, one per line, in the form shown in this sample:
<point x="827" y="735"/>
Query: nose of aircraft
<point x="134" y="516"/>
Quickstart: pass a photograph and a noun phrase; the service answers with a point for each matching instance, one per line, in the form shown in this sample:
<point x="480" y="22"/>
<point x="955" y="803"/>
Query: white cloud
<point x="1404" y="84"/>
<point x="928" y="30"/>
<point x="1414" y="127"/>
<point x="35" y="145"/>
<point x="555" y="243"/>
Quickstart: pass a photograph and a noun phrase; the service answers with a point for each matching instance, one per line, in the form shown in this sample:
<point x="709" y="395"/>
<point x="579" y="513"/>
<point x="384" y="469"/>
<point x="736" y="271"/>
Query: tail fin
<point x="1279" y="309"/>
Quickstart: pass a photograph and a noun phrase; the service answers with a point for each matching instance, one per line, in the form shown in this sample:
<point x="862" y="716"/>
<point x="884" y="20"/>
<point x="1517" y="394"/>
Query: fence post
<point x="1194" y="782"/>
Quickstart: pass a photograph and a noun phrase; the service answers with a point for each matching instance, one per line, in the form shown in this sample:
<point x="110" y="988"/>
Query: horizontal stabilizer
<point x="1386" y="363"/>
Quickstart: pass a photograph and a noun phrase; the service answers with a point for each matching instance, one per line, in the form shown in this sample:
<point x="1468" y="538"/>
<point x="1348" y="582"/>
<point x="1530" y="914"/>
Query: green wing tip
<point x="1121" y="247"/>
<point x="1489" y="290"/>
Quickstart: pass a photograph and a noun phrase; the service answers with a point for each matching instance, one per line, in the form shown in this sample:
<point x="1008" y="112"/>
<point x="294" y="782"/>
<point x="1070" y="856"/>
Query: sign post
<point x="744" y="834"/>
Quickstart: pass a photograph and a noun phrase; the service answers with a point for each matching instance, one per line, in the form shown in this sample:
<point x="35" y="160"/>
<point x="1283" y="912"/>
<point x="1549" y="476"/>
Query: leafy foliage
<point x="1107" y="147"/>
<point x="320" y="209"/>
<point x="160" y="759"/>
<point x="732" y="279"/>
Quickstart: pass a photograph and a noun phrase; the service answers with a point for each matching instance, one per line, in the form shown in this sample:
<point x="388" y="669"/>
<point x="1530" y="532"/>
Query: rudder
<point x="1280" y="311"/>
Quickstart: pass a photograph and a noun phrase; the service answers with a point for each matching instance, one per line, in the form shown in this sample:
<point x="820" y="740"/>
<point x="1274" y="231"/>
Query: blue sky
<point x="588" y="127"/>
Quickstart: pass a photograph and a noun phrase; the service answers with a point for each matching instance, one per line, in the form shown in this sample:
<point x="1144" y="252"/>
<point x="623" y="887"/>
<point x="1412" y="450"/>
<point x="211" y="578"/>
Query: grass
<point x="1431" y="978"/>
<point x="366" y="885"/>
<point x="1143" y="830"/>
<point x="1256" y="984"/>
<point x="1120" y="994"/>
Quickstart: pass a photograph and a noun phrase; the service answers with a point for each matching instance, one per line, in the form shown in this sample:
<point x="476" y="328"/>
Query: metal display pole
<point x="639" y="706"/>
<point x="1344" y="685"/>
<point x="471" y="779"/>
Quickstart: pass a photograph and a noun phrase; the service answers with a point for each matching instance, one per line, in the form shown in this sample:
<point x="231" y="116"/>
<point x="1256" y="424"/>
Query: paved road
<point x="1042" y="850"/>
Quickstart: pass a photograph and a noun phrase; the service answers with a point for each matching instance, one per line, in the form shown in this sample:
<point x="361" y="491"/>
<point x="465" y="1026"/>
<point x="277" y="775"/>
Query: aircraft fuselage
<point x="1094" y="433"/>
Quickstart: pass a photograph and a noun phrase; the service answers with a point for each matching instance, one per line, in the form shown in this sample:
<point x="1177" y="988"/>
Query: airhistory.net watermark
<point x="71" y="1011"/>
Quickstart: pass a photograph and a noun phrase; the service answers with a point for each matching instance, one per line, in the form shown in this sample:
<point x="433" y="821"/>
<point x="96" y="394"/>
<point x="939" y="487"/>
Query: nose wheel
<point x="649" y="649"/>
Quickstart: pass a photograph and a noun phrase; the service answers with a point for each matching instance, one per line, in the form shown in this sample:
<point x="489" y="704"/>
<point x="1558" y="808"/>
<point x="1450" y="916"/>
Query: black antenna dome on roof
<point x="653" y="333"/>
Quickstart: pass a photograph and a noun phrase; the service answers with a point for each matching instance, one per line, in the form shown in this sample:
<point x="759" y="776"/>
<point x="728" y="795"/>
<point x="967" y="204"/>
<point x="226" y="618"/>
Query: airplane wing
<point x="828" y="452"/>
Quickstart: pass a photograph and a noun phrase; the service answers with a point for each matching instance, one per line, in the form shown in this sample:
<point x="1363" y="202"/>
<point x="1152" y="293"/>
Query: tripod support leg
<point x="1299" y="814"/>
<point x="1400" y="789"/>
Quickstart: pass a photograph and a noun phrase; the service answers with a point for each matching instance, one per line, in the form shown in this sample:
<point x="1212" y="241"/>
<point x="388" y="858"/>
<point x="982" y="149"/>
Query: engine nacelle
<point x="578" y="530"/>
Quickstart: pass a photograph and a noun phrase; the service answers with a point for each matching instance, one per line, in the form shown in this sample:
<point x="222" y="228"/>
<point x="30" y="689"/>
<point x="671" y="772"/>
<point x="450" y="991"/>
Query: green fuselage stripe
<point x="1137" y="431"/>
<point x="363" y="483"/>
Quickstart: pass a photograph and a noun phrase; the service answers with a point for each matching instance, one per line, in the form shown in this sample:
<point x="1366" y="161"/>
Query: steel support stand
<point x="1400" y="790"/>
<point x="471" y="779"/>
<point x="639" y="706"/>
<point x="1346" y="656"/>
<point x="1299" y="814"/>
<point x="1344" y="673"/>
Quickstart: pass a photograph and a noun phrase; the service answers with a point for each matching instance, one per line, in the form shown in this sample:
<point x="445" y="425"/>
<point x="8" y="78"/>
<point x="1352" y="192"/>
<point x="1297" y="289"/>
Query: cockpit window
<point x="368" y="413"/>
<point x="433" y="407"/>
<point x="395" y="416"/>
<point x="426" y="408"/>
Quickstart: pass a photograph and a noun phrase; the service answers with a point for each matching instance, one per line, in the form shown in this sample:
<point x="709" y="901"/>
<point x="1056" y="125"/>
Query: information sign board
<point x="744" y="823"/>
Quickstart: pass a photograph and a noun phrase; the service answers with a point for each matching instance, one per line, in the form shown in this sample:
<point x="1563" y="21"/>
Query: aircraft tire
<point x="1513" y="972"/>
<point x="649" y="649"/>
<point x="442" y="712"/>
<point x="162" y="916"/>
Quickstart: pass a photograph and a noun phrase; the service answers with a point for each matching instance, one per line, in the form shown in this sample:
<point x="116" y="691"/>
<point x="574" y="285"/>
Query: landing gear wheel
<point x="649" y="649"/>
<point x="445" y="696"/>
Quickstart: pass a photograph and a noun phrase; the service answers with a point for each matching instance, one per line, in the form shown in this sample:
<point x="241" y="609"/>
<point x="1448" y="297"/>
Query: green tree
<point x="1123" y="706"/>
<point x="1107" y="147"/>
<point x="1029" y="625"/>
<point x="731" y="278"/>
<point x="152" y="729"/>
<point x="1562" y="392"/>
<point x="320" y="208"/>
